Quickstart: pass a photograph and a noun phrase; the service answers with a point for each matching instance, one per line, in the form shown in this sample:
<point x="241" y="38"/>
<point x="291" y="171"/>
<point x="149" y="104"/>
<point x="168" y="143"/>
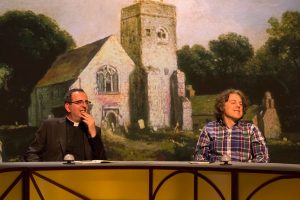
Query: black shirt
<point x="75" y="139"/>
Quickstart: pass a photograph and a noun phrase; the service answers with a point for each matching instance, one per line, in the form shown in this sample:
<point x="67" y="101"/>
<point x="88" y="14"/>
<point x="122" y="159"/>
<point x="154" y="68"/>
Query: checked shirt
<point x="242" y="143"/>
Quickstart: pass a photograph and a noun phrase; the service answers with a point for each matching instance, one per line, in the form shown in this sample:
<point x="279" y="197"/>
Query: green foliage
<point x="279" y="57"/>
<point x="264" y="63"/>
<point x="163" y="144"/>
<point x="31" y="38"/>
<point x="29" y="43"/>
<point x="278" y="61"/>
<point x="203" y="104"/>
<point x="251" y="112"/>
<point x="5" y="75"/>
<point x="284" y="151"/>
<point x="185" y="61"/>
<point x="15" y="141"/>
<point x="195" y="62"/>
<point x="284" y="35"/>
<point x="223" y="66"/>
<point x="232" y="52"/>
<point x="284" y="45"/>
<point x="203" y="109"/>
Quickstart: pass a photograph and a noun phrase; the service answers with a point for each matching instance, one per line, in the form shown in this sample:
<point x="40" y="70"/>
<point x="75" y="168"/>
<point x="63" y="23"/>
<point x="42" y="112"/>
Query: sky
<point x="198" y="21"/>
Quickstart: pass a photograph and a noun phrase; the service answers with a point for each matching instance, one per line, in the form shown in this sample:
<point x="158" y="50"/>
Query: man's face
<point x="78" y="105"/>
<point x="233" y="108"/>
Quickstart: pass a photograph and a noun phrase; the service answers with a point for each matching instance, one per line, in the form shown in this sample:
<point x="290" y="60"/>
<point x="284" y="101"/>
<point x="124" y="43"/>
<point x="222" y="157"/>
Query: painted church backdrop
<point x="151" y="68"/>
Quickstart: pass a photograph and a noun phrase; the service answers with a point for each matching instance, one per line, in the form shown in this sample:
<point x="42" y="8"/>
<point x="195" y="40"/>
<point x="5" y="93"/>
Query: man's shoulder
<point x="213" y="123"/>
<point x="209" y="126"/>
<point x="54" y="120"/>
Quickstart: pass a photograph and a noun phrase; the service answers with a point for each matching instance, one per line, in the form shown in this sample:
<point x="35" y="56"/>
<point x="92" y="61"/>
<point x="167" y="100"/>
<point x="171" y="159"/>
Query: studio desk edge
<point x="153" y="180"/>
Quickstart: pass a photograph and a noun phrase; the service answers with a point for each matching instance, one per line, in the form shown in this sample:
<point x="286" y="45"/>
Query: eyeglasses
<point x="81" y="102"/>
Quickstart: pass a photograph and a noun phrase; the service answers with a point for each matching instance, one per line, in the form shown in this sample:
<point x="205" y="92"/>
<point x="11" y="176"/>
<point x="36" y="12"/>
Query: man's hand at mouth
<point x="90" y="122"/>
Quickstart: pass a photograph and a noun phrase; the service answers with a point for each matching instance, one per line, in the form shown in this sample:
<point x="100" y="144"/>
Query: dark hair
<point x="223" y="97"/>
<point x="68" y="96"/>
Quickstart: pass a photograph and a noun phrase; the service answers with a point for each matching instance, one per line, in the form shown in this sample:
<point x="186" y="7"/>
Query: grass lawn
<point x="166" y="145"/>
<point x="163" y="145"/>
<point x="284" y="151"/>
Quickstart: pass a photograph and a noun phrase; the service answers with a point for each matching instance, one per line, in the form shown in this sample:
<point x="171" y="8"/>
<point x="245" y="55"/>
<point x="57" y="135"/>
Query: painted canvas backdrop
<point x="198" y="22"/>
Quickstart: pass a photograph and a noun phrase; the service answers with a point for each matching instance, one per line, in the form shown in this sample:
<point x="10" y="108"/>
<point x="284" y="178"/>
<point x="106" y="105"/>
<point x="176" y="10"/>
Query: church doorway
<point x="111" y="118"/>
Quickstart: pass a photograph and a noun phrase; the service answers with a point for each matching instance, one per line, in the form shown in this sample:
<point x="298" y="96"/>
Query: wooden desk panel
<point x="142" y="180"/>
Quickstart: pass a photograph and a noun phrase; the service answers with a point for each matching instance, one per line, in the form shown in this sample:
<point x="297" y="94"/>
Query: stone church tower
<point x="148" y="35"/>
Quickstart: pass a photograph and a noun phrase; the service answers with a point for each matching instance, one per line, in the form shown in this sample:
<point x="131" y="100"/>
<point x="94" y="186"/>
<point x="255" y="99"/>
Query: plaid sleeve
<point x="259" y="146"/>
<point x="202" y="147"/>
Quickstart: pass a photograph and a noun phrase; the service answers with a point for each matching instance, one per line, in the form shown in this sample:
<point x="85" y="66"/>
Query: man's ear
<point x="67" y="107"/>
<point x="222" y="108"/>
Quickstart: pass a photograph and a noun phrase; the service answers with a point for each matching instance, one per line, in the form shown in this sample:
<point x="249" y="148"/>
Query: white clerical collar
<point x="75" y="124"/>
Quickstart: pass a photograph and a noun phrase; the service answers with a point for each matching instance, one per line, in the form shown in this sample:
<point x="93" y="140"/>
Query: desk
<point x="153" y="180"/>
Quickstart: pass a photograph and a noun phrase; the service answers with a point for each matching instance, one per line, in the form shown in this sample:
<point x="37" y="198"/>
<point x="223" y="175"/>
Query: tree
<point x="278" y="59"/>
<point x="276" y="64"/>
<point x="197" y="64"/>
<point x="232" y="52"/>
<point x="224" y="65"/>
<point x="31" y="42"/>
<point x="203" y="64"/>
<point x="29" y="45"/>
<point x="185" y="60"/>
<point x="284" y="44"/>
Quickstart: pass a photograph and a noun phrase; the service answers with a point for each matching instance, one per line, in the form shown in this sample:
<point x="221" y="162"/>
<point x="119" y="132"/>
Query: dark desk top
<point x="167" y="165"/>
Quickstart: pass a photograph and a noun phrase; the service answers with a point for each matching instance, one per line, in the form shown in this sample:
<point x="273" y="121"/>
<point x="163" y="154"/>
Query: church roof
<point x="70" y="64"/>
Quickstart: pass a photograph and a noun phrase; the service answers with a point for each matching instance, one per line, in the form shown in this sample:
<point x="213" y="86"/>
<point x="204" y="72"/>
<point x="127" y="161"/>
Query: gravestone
<point x="267" y="118"/>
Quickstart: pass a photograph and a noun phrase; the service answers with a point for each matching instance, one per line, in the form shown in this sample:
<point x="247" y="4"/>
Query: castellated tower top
<point x="148" y="34"/>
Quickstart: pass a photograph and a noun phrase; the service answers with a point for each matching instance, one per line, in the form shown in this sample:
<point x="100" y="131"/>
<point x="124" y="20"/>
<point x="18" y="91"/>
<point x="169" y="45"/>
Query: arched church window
<point x="162" y="35"/>
<point x="107" y="79"/>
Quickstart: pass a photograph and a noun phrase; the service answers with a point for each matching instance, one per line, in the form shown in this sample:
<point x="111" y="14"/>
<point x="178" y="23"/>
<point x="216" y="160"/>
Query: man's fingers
<point x="85" y="115"/>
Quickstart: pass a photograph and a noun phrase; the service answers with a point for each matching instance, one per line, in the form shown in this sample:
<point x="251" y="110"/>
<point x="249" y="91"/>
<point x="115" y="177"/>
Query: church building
<point x="134" y="77"/>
